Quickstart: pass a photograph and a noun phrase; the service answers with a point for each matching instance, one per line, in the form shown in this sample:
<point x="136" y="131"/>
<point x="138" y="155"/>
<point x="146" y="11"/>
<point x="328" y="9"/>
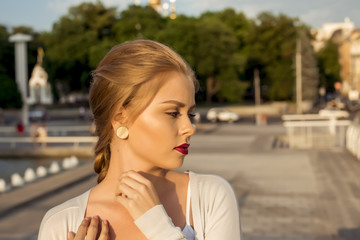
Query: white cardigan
<point x="214" y="211"/>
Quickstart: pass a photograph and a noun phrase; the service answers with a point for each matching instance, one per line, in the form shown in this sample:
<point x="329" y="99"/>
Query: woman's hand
<point x="136" y="193"/>
<point x="89" y="229"/>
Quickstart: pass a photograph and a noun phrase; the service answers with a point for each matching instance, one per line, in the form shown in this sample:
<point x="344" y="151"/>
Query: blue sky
<point x="41" y="14"/>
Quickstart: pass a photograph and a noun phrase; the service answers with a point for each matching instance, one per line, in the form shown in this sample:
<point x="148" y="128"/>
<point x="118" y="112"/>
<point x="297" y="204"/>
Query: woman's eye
<point x="191" y="115"/>
<point x="173" y="114"/>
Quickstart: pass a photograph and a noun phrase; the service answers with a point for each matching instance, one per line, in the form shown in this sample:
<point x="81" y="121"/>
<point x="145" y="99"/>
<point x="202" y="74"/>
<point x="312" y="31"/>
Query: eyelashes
<point x="191" y="115"/>
<point x="177" y="114"/>
<point x="173" y="114"/>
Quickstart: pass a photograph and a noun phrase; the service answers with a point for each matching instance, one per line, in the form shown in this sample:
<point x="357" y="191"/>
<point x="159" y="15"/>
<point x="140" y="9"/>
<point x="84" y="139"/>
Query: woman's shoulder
<point x="70" y="206"/>
<point x="214" y="207"/>
<point x="213" y="197"/>
<point x="208" y="181"/>
<point x="65" y="216"/>
<point x="209" y="186"/>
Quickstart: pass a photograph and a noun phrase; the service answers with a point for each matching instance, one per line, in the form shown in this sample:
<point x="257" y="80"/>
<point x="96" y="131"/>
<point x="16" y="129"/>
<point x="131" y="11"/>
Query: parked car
<point x="221" y="115"/>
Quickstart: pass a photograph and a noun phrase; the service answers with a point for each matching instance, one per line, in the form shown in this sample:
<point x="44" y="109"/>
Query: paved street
<point x="282" y="194"/>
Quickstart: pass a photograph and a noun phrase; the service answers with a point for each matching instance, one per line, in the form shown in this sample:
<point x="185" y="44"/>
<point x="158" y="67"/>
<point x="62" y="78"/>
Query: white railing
<point x="303" y="117"/>
<point x="306" y="131"/>
<point x="316" y="134"/>
<point x="55" y="130"/>
<point x="353" y="140"/>
<point x="75" y="141"/>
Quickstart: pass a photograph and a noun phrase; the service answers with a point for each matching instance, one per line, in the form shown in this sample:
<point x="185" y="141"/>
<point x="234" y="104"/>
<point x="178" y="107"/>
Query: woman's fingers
<point x="89" y="230"/>
<point x="93" y="228"/>
<point x="125" y="190"/>
<point x="136" y="182"/>
<point x="81" y="233"/>
<point x="136" y="193"/>
<point x="104" y="235"/>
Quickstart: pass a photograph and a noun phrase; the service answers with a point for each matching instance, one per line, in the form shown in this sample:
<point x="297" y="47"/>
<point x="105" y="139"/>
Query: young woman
<point x="142" y="98"/>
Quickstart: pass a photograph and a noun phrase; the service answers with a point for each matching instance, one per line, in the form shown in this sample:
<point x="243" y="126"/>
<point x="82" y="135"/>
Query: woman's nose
<point x="187" y="128"/>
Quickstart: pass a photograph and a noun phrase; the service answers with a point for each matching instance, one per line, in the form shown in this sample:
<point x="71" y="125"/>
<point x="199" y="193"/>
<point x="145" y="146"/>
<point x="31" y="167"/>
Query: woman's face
<point x="158" y="137"/>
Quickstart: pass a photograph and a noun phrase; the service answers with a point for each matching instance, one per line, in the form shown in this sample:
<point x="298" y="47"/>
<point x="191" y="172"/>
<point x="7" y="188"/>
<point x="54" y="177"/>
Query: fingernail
<point x="87" y="219"/>
<point x="105" y="222"/>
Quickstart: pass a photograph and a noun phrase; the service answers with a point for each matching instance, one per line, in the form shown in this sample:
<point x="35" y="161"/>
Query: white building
<point x="39" y="88"/>
<point x="341" y="30"/>
<point x="349" y="53"/>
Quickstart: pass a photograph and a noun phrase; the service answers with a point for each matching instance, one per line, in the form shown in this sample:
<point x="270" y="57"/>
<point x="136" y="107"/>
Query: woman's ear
<point x="120" y="118"/>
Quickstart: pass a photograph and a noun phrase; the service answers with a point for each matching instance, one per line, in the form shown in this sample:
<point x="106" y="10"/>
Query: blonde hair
<point x="123" y="80"/>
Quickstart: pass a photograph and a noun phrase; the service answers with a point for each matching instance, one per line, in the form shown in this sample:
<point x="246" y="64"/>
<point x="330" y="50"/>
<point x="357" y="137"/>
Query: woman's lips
<point x="183" y="148"/>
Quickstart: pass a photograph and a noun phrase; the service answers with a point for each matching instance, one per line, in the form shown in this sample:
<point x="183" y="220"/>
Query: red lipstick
<point x="183" y="148"/>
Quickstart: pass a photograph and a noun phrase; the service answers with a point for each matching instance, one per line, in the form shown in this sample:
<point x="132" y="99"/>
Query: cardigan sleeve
<point x="56" y="224"/>
<point x="155" y="224"/>
<point x="63" y="218"/>
<point x="52" y="228"/>
<point x="219" y="209"/>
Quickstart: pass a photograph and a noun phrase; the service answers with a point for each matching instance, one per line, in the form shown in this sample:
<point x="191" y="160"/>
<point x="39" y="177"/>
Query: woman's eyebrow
<point x="179" y="104"/>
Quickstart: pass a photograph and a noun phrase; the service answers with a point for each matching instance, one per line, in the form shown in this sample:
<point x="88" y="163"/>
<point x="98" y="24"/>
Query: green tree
<point x="77" y="42"/>
<point x="217" y="59"/>
<point x="271" y="46"/>
<point x="309" y="71"/>
<point x="210" y="47"/>
<point x="232" y="87"/>
<point x="6" y="53"/>
<point x="223" y="47"/>
<point x="23" y="29"/>
<point x="9" y="96"/>
<point x="138" y="22"/>
<point x="329" y="67"/>
<point x="237" y="21"/>
<point x="180" y="34"/>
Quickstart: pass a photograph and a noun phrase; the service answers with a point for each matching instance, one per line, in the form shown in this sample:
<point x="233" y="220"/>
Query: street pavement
<point x="283" y="194"/>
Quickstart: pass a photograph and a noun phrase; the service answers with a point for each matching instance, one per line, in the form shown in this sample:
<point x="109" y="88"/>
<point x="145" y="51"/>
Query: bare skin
<point x="138" y="179"/>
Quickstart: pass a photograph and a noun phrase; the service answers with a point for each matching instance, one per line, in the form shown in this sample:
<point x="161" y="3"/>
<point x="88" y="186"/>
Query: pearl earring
<point x="122" y="132"/>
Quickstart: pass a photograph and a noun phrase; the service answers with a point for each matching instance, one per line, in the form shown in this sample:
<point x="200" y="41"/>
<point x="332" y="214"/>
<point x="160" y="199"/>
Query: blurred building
<point x="172" y="9"/>
<point x="164" y="8"/>
<point x="348" y="39"/>
<point x="335" y="31"/>
<point x="39" y="88"/>
<point x="156" y="4"/>
<point x="349" y="54"/>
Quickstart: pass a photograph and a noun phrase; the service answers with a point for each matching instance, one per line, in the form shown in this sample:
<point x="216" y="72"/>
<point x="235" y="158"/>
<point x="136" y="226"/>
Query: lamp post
<point x="21" y="70"/>
<point x="259" y="116"/>
<point x="298" y="77"/>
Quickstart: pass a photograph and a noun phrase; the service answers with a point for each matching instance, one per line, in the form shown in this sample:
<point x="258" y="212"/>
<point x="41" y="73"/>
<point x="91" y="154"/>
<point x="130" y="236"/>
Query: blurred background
<point x="277" y="112"/>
